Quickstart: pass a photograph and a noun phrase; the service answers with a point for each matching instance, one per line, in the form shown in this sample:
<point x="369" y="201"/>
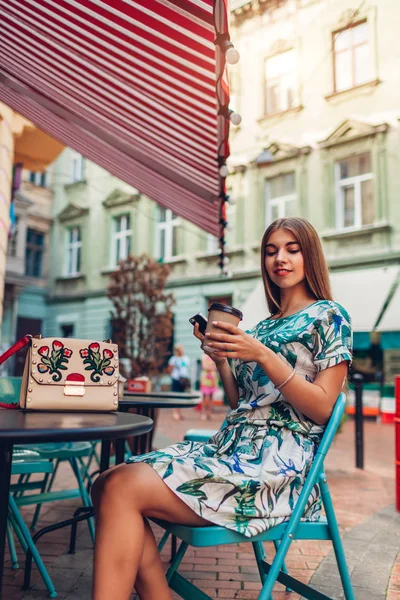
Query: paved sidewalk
<point x="364" y="505"/>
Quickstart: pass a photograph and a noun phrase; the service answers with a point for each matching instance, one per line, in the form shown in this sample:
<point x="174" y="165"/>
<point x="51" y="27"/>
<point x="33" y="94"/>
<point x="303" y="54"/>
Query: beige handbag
<point x="68" y="374"/>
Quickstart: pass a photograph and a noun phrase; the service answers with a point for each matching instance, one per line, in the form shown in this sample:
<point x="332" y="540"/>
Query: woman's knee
<point x="124" y="483"/>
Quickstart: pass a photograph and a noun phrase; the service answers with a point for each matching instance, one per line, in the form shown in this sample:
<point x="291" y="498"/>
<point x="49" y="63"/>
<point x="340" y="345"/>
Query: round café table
<point x="18" y="427"/>
<point x="146" y="405"/>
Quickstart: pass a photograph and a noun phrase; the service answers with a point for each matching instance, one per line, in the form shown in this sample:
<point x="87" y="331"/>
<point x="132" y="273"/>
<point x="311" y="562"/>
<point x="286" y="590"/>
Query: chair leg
<point x="259" y="553"/>
<point x="18" y="533"/>
<point x="39" y="506"/>
<point x="284" y="568"/>
<point x="29" y="542"/>
<point x="11" y="547"/>
<point x="84" y="495"/>
<point x="336" y="540"/>
<point x="177" y="560"/>
<point x="163" y="540"/>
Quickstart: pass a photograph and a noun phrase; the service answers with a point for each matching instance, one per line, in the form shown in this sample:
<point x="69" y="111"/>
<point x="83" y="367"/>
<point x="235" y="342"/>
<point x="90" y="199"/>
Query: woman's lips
<point x="282" y="272"/>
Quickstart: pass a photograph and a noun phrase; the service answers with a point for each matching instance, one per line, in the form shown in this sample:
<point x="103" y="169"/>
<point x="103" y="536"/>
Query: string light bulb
<point x="235" y="118"/>
<point x="231" y="200"/>
<point x="224" y="171"/>
<point x="232" y="55"/>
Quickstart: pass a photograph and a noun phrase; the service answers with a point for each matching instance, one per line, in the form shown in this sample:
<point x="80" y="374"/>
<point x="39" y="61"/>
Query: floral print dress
<point x="249" y="475"/>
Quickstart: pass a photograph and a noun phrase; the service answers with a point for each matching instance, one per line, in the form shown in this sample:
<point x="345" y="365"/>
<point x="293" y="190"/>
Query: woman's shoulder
<point x="325" y="309"/>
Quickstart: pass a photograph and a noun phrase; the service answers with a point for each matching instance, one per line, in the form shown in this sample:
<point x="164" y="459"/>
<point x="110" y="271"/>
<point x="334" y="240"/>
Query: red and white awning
<point x="130" y="84"/>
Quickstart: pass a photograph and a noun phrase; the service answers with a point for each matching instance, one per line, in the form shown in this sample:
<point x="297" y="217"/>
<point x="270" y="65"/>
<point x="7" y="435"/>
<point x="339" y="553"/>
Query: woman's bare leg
<point x="124" y="550"/>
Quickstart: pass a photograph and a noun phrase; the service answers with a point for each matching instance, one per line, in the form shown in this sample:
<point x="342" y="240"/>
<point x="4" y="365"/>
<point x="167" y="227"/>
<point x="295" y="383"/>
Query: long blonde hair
<point x="315" y="265"/>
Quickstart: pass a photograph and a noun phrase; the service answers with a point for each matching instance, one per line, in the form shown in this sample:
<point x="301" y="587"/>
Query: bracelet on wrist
<point x="280" y="386"/>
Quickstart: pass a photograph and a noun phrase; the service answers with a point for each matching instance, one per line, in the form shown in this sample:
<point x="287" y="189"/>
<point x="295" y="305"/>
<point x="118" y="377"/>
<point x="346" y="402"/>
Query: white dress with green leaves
<point x="249" y="475"/>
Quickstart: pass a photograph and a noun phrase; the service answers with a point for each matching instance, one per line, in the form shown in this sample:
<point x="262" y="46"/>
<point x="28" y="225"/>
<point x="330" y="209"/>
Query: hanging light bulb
<point x="231" y="201"/>
<point x="224" y="171"/>
<point x="232" y="55"/>
<point x="226" y="261"/>
<point x="235" y="118"/>
<point x="228" y="227"/>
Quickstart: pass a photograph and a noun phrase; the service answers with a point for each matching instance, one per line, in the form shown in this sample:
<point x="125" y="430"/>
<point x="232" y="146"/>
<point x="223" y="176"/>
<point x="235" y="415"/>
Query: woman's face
<point x="283" y="259"/>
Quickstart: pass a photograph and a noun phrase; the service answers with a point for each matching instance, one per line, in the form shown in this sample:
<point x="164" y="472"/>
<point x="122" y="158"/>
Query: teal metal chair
<point x="199" y="435"/>
<point x="282" y="535"/>
<point x="26" y="462"/>
<point x="71" y="452"/>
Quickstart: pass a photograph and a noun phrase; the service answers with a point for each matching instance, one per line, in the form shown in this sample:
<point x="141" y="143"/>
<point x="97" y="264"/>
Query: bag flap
<point x="56" y="361"/>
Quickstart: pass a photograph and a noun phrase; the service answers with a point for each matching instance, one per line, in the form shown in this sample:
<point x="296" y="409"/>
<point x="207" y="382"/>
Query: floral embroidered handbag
<point x="68" y="374"/>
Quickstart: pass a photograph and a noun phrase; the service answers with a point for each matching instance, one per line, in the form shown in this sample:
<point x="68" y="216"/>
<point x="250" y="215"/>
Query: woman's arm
<point x="228" y="379"/>
<point x="229" y="382"/>
<point x="315" y="400"/>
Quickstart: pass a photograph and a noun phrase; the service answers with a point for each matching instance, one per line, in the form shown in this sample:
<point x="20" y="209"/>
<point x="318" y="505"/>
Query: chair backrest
<point x="318" y="463"/>
<point x="10" y="388"/>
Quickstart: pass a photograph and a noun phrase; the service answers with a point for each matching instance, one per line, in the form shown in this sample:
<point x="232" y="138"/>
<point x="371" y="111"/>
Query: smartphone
<point x="201" y="320"/>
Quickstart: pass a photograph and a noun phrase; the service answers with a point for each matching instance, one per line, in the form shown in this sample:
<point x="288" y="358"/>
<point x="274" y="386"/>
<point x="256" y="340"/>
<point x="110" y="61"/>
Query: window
<point x="352" y="63"/>
<point x="281" y="199"/>
<point x="12" y="242"/>
<point x="77" y="167"/>
<point x="280" y="82"/>
<point x="168" y="228"/>
<point x="34" y="253"/>
<point x="212" y="243"/>
<point x="74" y="251"/>
<point x="40" y="179"/>
<point x="67" y="330"/>
<point x="354" y="193"/>
<point x="122" y="234"/>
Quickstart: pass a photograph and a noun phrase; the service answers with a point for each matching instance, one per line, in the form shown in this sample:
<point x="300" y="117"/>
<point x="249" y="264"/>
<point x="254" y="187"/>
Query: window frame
<point x="334" y="53"/>
<point x="76" y="177"/>
<point x="36" y="248"/>
<point x="266" y="78"/>
<point x="74" y="247"/>
<point x="171" y="221"/>
<point x="341" y="184"/>
<point x="279" y="201"/>
<point x="122" y="236"/>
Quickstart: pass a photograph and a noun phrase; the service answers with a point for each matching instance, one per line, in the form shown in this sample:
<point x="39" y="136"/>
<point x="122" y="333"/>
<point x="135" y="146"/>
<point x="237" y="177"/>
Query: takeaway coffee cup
<point x="222" y="312"/>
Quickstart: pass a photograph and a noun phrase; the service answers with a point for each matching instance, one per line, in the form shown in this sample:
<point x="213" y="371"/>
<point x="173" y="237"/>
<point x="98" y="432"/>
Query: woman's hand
<point x="218" y="360"/>
<point x="233" y="342"/>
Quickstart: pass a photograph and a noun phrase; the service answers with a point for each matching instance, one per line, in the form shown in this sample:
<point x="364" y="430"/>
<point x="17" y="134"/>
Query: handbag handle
<point x="24" y="341"/>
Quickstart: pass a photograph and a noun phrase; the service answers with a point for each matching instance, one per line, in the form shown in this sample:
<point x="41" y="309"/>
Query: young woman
<point x="289" y="371"/>
<point x="208" y="385"/>
<point x="179" y="369"/>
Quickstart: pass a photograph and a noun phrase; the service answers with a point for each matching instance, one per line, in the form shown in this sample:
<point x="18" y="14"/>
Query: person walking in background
<point x="179" y="369"/>
<point x="208" y="385"/>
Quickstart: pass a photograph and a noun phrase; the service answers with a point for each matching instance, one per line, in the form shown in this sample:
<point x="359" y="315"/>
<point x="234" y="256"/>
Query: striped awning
<point x="130" y="84"/>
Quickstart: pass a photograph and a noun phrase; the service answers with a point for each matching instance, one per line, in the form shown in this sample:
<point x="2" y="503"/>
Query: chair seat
<point x="215" y="535"/>
<point x="62" y="450"/>
<point x="199" y="435"/>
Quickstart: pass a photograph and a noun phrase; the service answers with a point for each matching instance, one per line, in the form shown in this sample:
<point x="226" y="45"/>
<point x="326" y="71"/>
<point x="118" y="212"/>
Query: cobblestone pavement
<point x="364" y="506"/>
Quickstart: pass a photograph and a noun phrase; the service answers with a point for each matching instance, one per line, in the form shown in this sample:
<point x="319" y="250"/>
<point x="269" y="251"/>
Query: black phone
<point x="201" y="320"/>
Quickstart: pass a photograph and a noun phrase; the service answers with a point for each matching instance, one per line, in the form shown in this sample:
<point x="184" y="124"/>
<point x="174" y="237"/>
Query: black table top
<point x="175" y="395"/>
<point x="17" y="426"/>
<point x="157" y="401"/>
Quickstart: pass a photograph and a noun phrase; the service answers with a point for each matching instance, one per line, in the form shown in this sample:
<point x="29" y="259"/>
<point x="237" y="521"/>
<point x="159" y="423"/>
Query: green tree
<point x="141" y="316"/>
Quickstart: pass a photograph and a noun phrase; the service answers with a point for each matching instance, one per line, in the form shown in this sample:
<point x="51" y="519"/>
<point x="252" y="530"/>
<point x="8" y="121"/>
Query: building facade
<point x="318" y="91"/>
